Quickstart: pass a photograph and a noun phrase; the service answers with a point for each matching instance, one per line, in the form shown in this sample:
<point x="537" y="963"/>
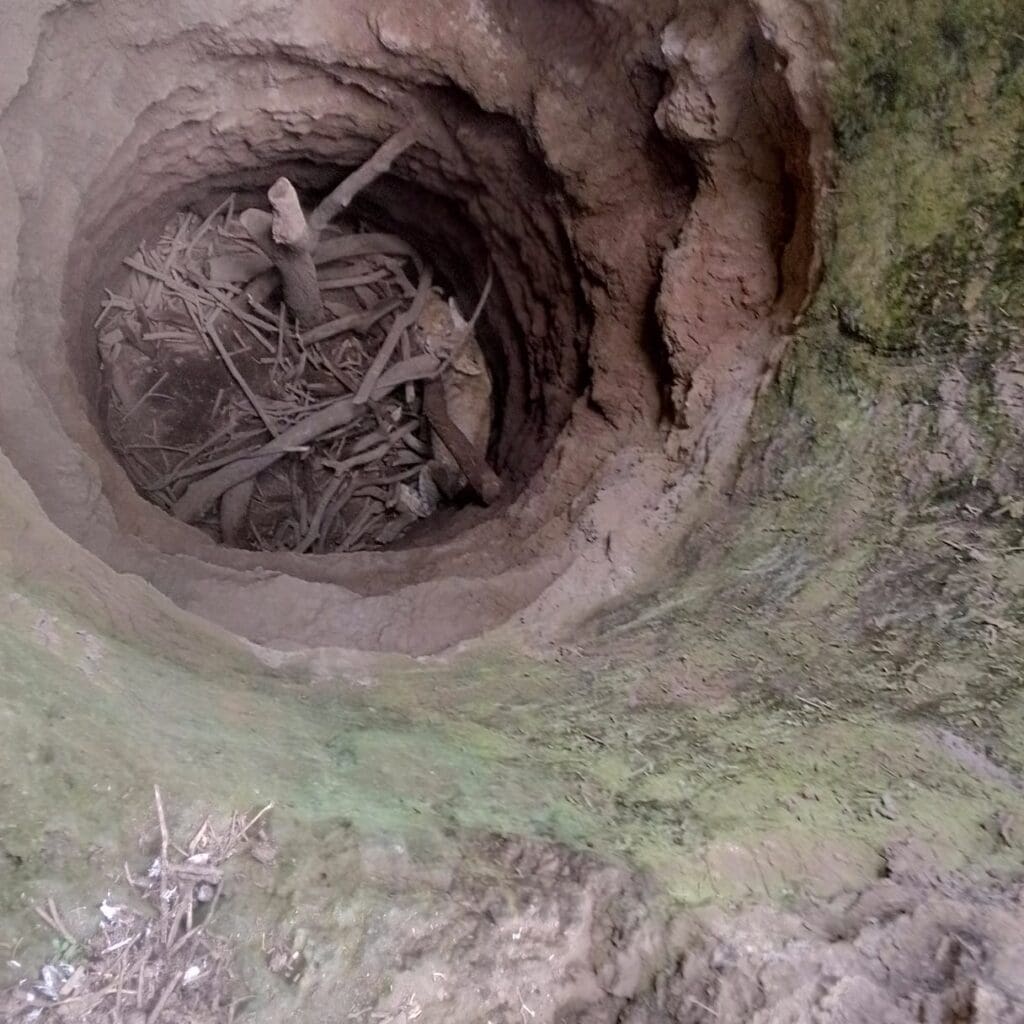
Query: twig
<point x="140" y="985"/>
<point x="119" y="997"/>
<point x="186" y="938"/>
<point x="481" y="477"/>
<point x="56" y="924"/>
<point x="256" y="817"/>
<point x="402" y="323"/>
<point x="203" y="493"/>
<point x="120" y="945"/>
<point x="378" y="164"/>
<point x="361" y="321"/>
<point x="467" y="331"/>
<point x="702" y="1006"/>
<point x="164" y="841"/>
<point x="813" y="702"/>
<point x="358" y="528"/>
<point x="225" y="356"/>
<point x="181" y="471"/>
<point x="372" y="455"/>
<point x="158" y="1008"/>
<point x="313" y="534"/>
<point x="149" y="394"/>
<point x="205" y="226"/>
<point x="233" y="1008"/>
<point x="58" y="920"/>
<point x="236" y="307"/>
<point x="342" y="283"/>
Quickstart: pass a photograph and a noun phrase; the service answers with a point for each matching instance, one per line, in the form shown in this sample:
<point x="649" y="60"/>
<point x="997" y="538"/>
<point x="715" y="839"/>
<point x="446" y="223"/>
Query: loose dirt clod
<point x="156" y="963"/>
<point x="265" y="376"/>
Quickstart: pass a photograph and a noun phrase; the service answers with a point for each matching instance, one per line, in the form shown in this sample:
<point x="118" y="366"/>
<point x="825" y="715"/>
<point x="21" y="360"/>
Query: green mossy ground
<point x="763" y="722"/>
<point x="929" y="102"/>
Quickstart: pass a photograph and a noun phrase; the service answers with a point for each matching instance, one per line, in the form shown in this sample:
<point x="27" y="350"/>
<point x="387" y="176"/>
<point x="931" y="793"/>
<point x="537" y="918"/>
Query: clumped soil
<point x="525" y="930"/>
<point x="917" y="947"/>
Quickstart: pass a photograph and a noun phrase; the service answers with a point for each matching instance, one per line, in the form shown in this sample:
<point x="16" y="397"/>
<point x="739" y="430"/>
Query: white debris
<point x="52" y="979"/>
<point x="110" y="910"/>
<point x="410" y="500"/>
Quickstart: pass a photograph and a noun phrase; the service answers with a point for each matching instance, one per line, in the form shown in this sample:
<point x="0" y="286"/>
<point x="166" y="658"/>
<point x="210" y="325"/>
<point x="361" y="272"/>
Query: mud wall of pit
<point x="647" y="179"/>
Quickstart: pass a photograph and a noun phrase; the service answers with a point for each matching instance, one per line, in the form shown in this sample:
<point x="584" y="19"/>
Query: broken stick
<point x="481" y="477"/>
<point x="203" y="493"/>
<point x="285" y="237"/>
<point x="378" y="164"/>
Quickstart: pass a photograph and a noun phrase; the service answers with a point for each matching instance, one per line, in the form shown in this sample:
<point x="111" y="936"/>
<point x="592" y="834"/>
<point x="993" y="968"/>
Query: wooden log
<point x="287" y="242"/>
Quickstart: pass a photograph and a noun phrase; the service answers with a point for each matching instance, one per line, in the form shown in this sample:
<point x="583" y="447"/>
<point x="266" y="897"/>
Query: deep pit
<point x="648" y="200"/>
<point x="179" y="407"/>
<point x="534" y="347"/>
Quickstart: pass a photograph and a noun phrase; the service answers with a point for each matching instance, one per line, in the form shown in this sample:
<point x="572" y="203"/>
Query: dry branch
<point x="288" y="247"/>
<point x="481" y="477"/>
<point x="378" y="164"/>
<point x="202" y="494"/>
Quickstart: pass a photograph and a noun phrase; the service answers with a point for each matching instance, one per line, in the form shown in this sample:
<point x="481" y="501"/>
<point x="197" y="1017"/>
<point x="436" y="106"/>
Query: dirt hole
<point x="635" y="302"/>
<point x="274" y="427"/>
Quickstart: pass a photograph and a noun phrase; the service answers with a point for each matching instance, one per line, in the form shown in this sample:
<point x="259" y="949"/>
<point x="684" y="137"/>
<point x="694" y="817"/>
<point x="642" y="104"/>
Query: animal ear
<point x="467" y="366"/>
<point x="460" y="322"/>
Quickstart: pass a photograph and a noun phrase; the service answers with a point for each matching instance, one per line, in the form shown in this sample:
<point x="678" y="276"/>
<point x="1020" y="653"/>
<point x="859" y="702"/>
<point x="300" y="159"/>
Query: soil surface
<point x="718" y="717"/>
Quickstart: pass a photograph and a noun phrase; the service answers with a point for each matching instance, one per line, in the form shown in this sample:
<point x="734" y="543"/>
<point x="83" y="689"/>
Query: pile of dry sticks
<point x="154" y="963"/>
<point x="284" y="381"/>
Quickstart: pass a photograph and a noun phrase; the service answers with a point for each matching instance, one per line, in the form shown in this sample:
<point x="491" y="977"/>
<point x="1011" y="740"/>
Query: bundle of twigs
<point x="328" y="411"/>
<point x="155" y="962"/>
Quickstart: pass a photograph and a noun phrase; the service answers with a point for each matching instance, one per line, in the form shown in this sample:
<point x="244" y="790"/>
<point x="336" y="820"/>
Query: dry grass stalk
<point x="155" y="963"/>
